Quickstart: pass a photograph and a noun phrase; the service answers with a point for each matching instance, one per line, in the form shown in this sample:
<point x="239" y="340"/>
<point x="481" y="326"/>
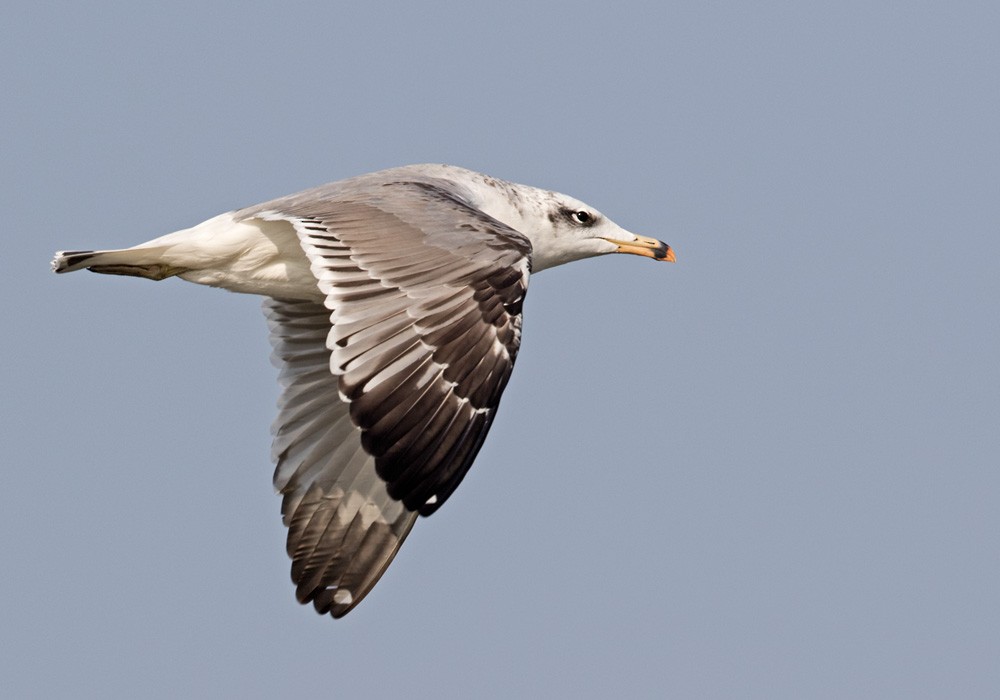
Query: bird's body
<point x="394" y="303"/>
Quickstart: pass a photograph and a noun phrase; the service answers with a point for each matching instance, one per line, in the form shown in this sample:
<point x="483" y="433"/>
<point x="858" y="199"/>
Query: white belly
<point x="252" y="257"/>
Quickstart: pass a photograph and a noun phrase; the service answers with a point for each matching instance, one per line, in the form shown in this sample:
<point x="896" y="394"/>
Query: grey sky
<point x="770" y="470"/>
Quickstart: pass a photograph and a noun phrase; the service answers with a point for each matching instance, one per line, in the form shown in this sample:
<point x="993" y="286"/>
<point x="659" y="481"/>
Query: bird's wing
<point x="392" y="383"/>
<point x="343" y="527"/>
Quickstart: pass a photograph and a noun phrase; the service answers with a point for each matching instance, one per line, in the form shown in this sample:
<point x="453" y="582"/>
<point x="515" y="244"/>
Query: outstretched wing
<point x="391" y="383"/>
<point x="343" y="527"/>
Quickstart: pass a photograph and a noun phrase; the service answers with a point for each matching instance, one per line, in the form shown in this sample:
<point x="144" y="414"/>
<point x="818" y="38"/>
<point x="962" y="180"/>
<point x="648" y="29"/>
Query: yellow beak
<point x="649" y="247"/>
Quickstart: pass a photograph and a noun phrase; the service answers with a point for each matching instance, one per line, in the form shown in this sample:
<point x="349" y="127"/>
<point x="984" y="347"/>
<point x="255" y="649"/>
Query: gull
<point x="394" y="306"/>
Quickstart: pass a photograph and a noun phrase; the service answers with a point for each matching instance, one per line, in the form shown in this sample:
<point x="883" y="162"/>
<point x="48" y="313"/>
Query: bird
<point x="394" y="305"/>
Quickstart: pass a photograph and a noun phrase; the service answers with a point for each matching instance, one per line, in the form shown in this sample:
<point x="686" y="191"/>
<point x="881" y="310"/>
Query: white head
<point x="561" y="228"/>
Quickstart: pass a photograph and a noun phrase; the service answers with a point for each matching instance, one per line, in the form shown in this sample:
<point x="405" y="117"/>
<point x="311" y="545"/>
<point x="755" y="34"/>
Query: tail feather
<point x="134" y="262"/>
<point x="70" y="260"/>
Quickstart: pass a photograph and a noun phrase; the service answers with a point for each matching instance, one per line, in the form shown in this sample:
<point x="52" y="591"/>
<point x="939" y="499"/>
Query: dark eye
<point x="581" y="217"/>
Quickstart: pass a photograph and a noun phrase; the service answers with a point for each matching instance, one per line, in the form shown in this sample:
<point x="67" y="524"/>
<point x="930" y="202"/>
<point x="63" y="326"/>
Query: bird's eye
<point x="582" y="217"/>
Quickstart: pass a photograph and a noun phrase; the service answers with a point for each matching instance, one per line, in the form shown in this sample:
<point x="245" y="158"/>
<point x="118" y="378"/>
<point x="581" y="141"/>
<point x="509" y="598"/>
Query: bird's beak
<point x="649" y="247"/>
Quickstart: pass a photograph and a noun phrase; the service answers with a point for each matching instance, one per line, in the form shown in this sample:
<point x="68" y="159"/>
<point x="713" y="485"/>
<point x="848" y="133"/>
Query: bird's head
<point x="561" y="228"/>
<point x="564" y="229"/>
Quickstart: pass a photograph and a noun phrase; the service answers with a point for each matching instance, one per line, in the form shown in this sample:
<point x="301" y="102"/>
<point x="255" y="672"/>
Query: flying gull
<point x="394" y="306"/>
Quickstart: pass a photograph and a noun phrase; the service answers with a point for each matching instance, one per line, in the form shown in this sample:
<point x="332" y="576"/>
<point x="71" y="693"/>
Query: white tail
<point x="135" y="262"/>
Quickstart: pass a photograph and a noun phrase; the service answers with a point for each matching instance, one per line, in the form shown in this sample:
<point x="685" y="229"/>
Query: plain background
<point x="770" y="470"/>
